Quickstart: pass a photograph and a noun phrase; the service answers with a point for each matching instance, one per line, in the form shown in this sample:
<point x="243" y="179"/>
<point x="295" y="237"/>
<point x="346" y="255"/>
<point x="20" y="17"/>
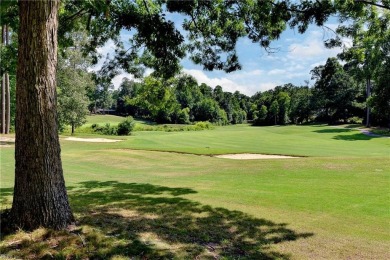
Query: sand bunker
<point x="252" y="156"/>
<point x="92" y="140"/>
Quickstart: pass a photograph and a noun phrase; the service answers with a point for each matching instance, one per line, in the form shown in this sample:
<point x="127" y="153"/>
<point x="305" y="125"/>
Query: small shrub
<point x="107" y="129"/>
<point x="355" y="120"/>
<point x="176" y="128"/>
<point x="126" y="127"/>
<point x="203" y="125"/>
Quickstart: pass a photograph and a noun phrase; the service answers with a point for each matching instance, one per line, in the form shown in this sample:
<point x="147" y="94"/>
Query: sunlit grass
<point x="133" y="202"/>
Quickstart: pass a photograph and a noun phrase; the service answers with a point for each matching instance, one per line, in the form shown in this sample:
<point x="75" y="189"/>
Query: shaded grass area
<point x="151" y="222"/>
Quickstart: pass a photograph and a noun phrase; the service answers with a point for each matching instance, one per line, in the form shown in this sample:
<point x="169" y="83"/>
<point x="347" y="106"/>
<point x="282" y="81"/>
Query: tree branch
<point x="374" y="4"/>
<point x="81" y="12"/>
<point x="146" y="6"/>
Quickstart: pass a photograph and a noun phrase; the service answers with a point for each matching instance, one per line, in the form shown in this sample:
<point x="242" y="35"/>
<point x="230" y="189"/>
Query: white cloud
<point x="311" y="47"/>
<point x="276" y="72"/>
<point x="268" y="85"/>
<point x="117" y="80"/>
<point x="201" y="77"/>
<point x="248" y="82"/>
<point x="242" y="74"/>
<point x="109" y="47"/>
<point x="148" y="71"/>
<point x="316" y="64"/>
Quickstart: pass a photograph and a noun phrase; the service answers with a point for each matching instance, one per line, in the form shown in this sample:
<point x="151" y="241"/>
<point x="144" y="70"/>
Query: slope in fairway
<point x="131" y="202"/>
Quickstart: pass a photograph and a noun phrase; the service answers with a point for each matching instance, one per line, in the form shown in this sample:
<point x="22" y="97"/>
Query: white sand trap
<point x="252" y="156"/>
<point x="92" y="140"/>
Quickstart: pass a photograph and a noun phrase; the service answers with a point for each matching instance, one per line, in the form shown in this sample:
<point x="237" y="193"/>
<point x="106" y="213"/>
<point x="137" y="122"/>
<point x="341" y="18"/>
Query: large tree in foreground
<point x="40" y="197"/>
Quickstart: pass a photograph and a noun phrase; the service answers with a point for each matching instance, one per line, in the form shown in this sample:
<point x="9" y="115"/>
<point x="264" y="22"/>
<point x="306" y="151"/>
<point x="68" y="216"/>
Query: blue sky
<point x="297" y="55"/>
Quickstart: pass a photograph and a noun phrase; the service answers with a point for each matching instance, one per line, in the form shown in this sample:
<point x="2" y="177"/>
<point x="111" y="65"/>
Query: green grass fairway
<point x="112" y="120"/>
<point x="103" y="119"/>
<point x="158" y="195"/>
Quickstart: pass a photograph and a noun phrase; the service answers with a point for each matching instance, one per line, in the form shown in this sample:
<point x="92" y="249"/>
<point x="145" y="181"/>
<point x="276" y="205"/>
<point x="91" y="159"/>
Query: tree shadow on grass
<point x="335" y="130"/>
<point x="154" y="219"/>
<point x="145" y="221"/>
<point x="6" y="143"/>
<point x="5" y="193"/>
<point x="356" y="137"/>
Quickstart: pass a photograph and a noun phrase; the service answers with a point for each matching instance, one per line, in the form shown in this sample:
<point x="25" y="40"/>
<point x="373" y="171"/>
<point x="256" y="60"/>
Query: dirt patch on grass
<point x="92" y="140"/>
<point x="252" y="156"/>
<point x="7" y="141"/>
<point x="10" y="141"/>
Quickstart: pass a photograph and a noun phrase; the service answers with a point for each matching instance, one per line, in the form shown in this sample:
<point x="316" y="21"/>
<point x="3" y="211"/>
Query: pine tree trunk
<point x="368" y="92"/>
<point x="40" y="197"/>
<point x="7" y="104"/>
<point x="3" y="104"/>
<point x="3" y="87"/>
<point x="7" y="91"/>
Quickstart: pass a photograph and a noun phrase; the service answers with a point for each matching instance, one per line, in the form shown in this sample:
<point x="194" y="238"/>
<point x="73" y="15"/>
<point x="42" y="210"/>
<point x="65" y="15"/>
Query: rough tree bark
<point x="40" y="197"/>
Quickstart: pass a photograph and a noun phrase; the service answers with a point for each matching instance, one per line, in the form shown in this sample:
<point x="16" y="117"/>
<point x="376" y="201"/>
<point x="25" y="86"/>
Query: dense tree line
<point x="179" y="100"/>
<point x="335" y="97"/>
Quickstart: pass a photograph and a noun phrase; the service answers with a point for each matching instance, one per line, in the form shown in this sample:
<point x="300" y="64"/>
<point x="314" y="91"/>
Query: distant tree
<point x="218" y="94"/>
<point x="183" y="116"/>
<point x="301" y="107"/>
<point x="187" y="92"/>
<point x="72" y="103"/>
<point x="260" y="115"/>
<point x="335" y="91"/>
<point x="156" y="96"/>
<point x="242" y="100"/>
<point x="73" y="80"/>
<point x="283" y="100"/>
<point x="206" y="90"/>
<point x="127" y="90"/>
<point x="274" y="110"/>
<point x="5" y="88"/>
<point x="226" y="102"/>
<point x="368" y="53"/>
<point x="208" y="110"/>
<point x="380" y="100"/>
